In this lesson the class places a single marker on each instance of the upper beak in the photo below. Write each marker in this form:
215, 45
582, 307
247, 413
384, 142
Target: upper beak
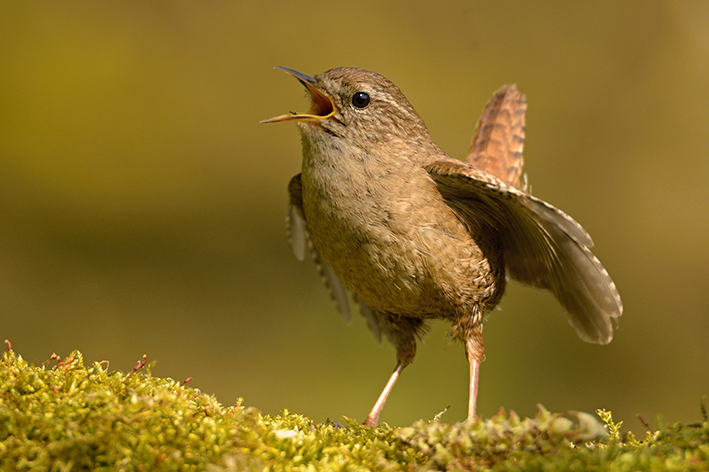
321, 107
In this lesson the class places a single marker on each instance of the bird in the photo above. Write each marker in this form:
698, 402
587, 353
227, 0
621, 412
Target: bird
411, 234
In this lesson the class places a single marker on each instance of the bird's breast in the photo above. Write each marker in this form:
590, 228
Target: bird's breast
391, 238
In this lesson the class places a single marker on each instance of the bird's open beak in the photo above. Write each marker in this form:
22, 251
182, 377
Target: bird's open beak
321, 107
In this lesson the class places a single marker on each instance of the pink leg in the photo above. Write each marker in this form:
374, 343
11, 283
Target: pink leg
373, 417
475, 352
474, 376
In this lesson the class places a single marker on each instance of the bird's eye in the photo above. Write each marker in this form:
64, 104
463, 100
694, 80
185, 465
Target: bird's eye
360, 99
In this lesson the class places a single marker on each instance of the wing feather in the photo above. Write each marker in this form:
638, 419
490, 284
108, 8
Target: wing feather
543, 246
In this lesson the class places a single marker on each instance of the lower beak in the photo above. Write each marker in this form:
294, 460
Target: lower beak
322, 105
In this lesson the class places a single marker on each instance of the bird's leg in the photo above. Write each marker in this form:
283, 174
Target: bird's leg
404, 331
373, 416
475, 352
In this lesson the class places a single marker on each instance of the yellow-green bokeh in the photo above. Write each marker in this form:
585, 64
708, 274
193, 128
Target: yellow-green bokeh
142, 205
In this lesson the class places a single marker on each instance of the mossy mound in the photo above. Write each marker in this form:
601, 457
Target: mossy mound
63, 415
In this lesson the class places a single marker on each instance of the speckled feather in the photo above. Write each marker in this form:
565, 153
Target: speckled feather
532, 231
415, 235
498, 139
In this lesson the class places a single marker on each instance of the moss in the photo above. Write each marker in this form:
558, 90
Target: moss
63, 415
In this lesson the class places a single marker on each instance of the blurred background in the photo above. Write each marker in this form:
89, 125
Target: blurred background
142, 205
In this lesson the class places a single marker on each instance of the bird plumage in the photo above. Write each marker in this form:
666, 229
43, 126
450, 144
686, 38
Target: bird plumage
414, 234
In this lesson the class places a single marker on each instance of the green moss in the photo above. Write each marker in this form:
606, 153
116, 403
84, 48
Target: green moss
69, 416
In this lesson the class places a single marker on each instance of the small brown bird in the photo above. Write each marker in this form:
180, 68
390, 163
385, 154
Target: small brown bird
416, 235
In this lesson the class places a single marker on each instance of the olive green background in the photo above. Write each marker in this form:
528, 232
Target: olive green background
142, 205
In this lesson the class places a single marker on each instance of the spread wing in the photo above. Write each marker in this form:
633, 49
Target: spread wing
300, 241
543, 246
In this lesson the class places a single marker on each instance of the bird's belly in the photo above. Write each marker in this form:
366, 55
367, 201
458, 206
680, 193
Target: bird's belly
411, 259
